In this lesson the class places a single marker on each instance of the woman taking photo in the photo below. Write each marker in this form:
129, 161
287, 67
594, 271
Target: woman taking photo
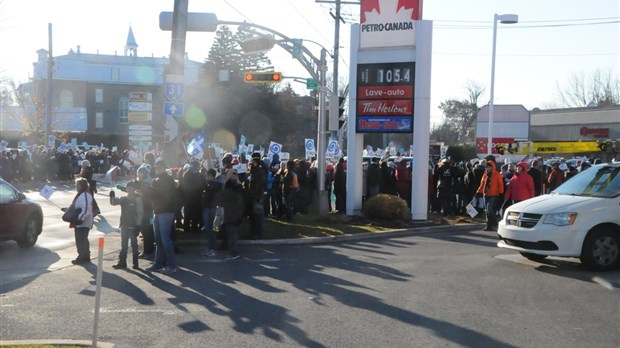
83, 200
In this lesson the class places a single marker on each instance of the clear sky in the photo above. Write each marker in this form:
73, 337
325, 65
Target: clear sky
553, 40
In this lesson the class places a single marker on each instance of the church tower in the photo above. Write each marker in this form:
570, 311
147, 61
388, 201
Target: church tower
131, 47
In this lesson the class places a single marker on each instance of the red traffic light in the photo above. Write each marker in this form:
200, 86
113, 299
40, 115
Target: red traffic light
262, 77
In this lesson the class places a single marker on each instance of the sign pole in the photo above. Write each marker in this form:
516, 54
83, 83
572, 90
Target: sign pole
98, 291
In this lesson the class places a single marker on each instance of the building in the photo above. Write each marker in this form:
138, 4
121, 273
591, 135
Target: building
91, 95
575, 124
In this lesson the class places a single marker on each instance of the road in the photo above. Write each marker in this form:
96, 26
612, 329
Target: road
438, 287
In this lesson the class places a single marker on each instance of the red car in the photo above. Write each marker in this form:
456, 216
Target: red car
21, 219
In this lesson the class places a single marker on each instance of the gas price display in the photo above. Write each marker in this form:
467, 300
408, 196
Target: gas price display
385, 97
386, 73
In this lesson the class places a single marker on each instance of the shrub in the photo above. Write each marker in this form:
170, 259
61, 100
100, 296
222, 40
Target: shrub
386, 207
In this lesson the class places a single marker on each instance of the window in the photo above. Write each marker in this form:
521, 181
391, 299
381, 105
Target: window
123, 108
98, 95
99, 120
66, 98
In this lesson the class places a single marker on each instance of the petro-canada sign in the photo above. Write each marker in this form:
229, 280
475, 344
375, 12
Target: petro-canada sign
388, 23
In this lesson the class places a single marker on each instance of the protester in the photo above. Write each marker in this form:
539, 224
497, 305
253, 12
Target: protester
143, 184
373, 178
556, 176
231, 200
340, 186
165, 200
256, 189
132, 212
492, 188
83, 200
211, 188
520, 186
403, 180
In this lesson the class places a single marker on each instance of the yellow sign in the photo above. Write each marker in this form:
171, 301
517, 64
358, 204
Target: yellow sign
139, 116
548, 147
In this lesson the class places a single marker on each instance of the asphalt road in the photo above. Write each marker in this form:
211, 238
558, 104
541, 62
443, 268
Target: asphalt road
437, 287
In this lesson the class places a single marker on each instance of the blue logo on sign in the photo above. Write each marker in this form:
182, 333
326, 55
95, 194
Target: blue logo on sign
333, 147
174, 91
310, 144
275, 148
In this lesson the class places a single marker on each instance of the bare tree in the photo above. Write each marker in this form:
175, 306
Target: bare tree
459, 116
603, 90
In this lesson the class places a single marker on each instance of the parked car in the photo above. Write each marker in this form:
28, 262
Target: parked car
580, 218
22, 218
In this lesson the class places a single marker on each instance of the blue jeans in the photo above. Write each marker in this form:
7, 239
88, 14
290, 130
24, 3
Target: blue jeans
164, 253
491, 203
128, 234
208, 215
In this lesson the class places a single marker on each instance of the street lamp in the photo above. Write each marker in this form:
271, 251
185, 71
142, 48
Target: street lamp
504, 19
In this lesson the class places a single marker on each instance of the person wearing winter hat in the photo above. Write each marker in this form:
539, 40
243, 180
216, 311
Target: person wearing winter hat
521, 185
556, 177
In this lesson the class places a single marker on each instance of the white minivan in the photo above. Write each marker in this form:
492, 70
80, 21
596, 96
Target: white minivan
580, 218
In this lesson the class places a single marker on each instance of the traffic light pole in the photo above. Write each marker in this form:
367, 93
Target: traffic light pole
321, 134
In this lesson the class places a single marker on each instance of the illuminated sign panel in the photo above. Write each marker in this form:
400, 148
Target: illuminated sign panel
385, 97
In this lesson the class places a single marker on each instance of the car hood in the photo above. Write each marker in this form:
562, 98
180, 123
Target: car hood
554, 203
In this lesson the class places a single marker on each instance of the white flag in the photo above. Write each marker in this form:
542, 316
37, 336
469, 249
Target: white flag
46, 192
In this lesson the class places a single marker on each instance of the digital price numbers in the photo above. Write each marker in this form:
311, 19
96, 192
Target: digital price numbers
386, 74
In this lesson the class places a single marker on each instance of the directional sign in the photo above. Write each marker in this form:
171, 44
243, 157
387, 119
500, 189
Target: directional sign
311, 84
140, 106
173, 109
140, 127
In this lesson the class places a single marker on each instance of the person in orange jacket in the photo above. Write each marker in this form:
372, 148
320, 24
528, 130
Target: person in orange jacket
492, 187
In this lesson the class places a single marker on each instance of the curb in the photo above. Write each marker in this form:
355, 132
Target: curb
59, 342
341, 238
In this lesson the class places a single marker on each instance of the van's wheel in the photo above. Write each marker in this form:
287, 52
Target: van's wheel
601, 249
533, 257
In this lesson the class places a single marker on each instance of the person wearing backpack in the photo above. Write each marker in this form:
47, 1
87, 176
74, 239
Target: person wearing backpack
132, 212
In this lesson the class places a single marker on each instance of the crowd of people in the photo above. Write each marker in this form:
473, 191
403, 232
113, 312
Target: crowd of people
489, 186
160, 199
44, 164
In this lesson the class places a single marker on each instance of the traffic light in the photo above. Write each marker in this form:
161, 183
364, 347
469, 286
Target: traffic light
262, 77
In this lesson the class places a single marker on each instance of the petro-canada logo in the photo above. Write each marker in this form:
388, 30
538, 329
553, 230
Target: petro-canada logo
386, 23
378, 10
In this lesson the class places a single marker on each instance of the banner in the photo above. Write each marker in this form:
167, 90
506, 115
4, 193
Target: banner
195, 146
310, 149
333, 149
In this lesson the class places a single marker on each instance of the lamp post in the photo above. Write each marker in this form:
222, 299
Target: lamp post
504, 19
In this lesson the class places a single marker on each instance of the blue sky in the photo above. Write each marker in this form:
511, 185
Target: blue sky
553, 40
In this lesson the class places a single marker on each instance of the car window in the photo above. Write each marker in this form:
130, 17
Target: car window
7, 194
599, 181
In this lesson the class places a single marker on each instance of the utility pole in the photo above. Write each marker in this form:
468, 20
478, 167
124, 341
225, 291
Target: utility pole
48, 86
176, 66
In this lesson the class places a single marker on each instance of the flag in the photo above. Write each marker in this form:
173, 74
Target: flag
274, 148
46, 192
195, 146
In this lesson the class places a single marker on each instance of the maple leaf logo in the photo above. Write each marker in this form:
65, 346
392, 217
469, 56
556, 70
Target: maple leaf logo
389, 9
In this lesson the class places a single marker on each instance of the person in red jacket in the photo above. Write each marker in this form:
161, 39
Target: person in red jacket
556, 177
521, 185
